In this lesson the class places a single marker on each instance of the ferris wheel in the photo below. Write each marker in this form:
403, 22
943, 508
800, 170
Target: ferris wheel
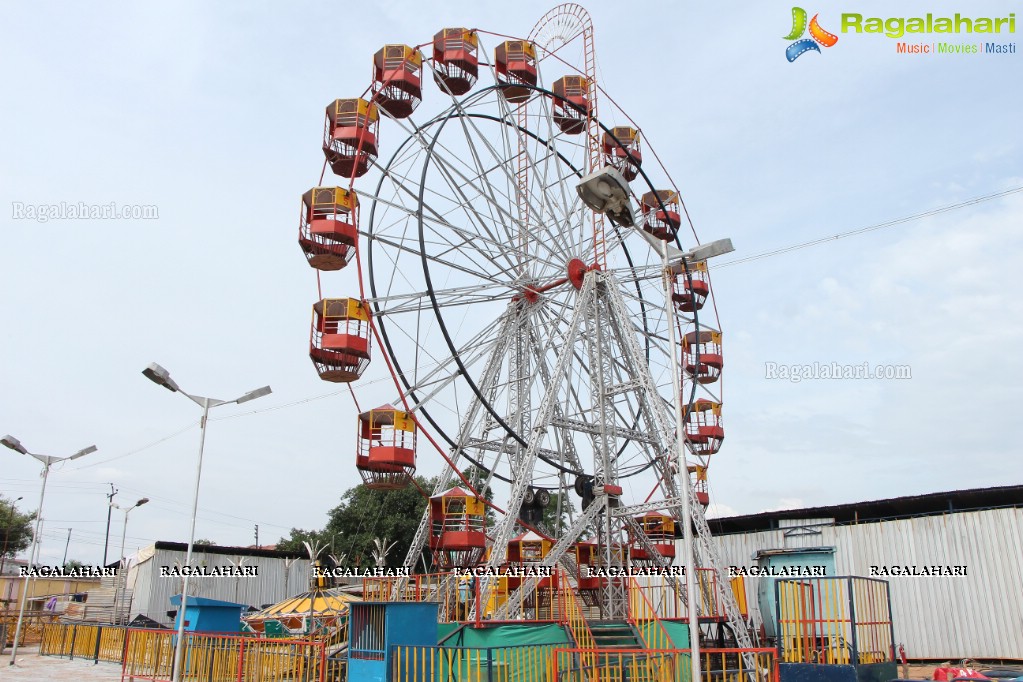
527, 336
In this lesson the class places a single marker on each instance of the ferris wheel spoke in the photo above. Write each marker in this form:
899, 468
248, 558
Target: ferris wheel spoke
454, 292
500, 164
504, 249
442, 369
450, 171
437, 218
446, 299
414, 250
510, 124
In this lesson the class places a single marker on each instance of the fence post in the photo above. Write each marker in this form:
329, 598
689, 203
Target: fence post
124, 643
99, 639
124, 653
854, 652
74, 637
479, 607
891, 618
241, 660
779, 640
490, 664
209, 664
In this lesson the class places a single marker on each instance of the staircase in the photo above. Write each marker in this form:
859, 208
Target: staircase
614, 634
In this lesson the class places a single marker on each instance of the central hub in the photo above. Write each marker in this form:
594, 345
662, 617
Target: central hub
576, 272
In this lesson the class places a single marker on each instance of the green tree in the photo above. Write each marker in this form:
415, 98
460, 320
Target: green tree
73, 564
365, 514
551, 521
296, 541
204, 542
15, 528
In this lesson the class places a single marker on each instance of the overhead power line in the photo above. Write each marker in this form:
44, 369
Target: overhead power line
870, 228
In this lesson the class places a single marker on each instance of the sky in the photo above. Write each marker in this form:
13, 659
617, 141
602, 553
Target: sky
213, 114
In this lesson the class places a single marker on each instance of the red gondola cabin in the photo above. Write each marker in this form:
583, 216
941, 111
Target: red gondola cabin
457, 529
621, 151
455, 60
515, 61
690, 295
571, 107
659, 528
350, 136
328, 228
701, 356
661, 210
397, 79
339, 346
703, 427
386, 457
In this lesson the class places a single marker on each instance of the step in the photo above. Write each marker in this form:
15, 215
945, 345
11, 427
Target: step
614, 634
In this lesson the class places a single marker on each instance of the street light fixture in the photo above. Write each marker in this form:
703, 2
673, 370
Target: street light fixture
160, 376
123, 563
606, 191
48, 461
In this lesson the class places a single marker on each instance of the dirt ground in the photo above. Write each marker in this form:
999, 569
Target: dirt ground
32, 666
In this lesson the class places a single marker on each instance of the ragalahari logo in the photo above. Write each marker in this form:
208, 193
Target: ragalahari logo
818, 36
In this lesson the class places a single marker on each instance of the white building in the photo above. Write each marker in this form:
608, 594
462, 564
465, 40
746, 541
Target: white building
945, 617
271, 576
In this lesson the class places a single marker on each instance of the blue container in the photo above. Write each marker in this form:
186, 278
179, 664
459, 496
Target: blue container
375, 627
209, 615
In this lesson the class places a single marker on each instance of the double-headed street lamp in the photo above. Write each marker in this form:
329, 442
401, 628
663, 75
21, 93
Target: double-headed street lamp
159, 375
606, 191
48, 461
123, 563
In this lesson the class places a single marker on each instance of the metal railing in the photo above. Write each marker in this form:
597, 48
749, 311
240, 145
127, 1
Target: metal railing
666, 665
149, 655
83, 640
843, 620
644, 618
524, 663
31, 626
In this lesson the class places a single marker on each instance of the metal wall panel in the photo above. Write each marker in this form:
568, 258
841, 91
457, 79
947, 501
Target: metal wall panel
273, 582
979, 615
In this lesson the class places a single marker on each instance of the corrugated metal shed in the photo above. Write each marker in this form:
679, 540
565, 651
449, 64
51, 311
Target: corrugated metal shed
979, 615
279, 575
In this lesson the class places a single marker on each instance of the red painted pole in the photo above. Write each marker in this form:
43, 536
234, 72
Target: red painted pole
241, 660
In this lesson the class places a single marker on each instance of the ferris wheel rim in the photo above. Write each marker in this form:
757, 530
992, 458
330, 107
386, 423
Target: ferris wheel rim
439, 122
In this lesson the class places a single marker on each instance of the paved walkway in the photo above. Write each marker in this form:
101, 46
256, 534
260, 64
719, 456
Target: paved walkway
32, 666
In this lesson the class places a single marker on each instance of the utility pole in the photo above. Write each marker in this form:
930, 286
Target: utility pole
66, 544
106, 540
257, 536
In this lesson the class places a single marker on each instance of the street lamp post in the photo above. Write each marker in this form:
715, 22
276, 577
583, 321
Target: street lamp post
160, 376
606, 191
48, 461
122, 564
692, 587
7, 535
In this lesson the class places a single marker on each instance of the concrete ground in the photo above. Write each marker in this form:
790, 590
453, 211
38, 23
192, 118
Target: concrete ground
32, 666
